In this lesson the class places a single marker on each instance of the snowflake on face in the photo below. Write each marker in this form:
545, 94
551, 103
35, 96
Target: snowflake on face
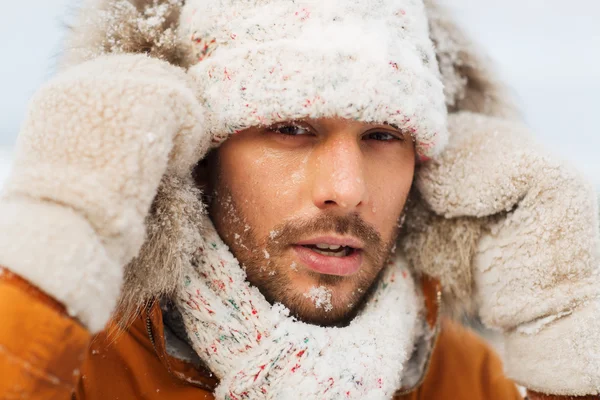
321, 296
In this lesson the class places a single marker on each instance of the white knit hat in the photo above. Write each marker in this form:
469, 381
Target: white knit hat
264, 61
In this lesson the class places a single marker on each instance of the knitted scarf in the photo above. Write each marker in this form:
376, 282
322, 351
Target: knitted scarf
258, 351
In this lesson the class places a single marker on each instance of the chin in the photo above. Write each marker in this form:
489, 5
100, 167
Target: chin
338, 317
312, 297
326, 300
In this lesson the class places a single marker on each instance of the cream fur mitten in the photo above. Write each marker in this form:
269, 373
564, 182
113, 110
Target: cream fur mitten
96, 142
535, 267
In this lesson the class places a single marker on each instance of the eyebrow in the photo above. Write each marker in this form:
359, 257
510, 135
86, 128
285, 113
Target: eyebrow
393, 126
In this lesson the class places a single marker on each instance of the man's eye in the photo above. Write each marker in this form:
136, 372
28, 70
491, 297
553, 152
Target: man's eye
290, 130
382, 136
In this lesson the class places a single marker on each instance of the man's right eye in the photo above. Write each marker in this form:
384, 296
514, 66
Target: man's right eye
290, 129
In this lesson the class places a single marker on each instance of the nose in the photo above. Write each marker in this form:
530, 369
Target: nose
339, 178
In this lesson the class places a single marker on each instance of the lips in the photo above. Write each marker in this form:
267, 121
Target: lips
333, 240
331, 255
331, 250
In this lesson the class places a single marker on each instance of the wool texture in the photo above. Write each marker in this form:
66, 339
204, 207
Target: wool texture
371, 61
259, 352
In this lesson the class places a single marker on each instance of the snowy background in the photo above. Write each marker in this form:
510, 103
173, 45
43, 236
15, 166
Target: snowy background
547, 50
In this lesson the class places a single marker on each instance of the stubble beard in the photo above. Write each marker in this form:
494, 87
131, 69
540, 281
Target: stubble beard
333, 300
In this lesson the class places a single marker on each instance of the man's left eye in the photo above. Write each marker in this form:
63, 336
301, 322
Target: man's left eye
382, 136
290, 129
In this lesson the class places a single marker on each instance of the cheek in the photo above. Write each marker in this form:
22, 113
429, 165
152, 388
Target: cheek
265, 185
388, 191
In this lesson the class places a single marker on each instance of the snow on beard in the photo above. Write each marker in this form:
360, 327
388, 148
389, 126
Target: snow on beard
270, 268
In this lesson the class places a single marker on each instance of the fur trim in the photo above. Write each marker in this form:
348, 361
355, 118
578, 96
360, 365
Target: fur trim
470, 82
443, 248
125, 26
174, 226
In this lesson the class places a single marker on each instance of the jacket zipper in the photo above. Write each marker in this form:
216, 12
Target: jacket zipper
149, 326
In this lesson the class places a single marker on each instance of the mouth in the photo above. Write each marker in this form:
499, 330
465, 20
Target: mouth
331, 255
331, 250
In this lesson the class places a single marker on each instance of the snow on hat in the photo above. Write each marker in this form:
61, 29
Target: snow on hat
264, 61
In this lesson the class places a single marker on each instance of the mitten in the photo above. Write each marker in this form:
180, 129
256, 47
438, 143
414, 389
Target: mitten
96, 142
534, 261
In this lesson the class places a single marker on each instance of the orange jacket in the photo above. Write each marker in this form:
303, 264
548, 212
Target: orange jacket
44, 354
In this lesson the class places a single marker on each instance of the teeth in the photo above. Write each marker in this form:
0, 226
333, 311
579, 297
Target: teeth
341, 253
328, 246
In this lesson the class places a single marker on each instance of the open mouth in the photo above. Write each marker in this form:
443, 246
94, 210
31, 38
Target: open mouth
331, 255
331, 250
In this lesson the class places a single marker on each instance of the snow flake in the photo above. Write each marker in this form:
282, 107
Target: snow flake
321, 296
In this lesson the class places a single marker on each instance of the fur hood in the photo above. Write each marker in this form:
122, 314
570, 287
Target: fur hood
150, 27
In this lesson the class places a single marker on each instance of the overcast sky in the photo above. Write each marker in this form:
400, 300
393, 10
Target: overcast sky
547, 50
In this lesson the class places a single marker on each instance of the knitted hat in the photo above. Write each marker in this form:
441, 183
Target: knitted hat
264, 61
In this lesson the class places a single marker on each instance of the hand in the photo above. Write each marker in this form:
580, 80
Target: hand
515, 237
97, 140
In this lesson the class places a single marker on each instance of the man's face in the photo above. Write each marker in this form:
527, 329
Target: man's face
311, 209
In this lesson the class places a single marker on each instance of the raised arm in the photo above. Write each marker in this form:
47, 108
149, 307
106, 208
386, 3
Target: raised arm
97, 140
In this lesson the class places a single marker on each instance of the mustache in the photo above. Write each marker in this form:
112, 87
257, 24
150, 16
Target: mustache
352, 224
